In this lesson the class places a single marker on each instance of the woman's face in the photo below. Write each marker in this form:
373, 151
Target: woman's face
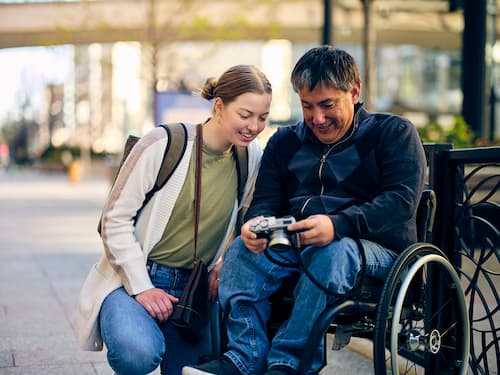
244, 118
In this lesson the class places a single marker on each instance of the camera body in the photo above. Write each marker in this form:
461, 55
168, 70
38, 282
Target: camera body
275, 229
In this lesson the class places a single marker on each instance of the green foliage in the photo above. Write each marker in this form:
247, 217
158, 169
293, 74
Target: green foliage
17, 135
66, 153
58, 154
459, 134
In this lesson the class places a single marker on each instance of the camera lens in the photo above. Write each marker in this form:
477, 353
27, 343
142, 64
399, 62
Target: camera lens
279, 241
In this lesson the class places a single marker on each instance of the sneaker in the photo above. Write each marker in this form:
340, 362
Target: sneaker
280, 370
221, 366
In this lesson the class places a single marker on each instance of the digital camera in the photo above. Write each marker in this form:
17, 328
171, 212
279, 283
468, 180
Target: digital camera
280, 239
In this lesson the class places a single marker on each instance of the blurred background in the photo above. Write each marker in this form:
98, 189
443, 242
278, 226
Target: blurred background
76, 77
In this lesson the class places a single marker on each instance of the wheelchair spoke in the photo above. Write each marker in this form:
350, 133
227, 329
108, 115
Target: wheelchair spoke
445, 332
422, 320
410, 369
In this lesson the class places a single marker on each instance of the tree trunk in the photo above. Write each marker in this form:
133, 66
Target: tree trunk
370, 89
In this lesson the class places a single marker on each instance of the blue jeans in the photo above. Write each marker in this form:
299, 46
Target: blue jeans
136, 342
247, 280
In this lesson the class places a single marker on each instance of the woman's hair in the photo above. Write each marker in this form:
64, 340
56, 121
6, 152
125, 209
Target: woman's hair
327, 66
235, 81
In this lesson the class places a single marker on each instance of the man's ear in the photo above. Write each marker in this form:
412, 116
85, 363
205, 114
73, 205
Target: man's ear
356, 92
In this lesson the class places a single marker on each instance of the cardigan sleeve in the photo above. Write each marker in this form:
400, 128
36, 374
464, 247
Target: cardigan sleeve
136, 177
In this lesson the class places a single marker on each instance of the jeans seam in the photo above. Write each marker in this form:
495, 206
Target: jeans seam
234, 358
283, 363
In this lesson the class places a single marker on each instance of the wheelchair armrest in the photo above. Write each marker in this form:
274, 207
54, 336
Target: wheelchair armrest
425, 215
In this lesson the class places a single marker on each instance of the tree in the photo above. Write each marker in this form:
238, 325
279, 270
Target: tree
369, 37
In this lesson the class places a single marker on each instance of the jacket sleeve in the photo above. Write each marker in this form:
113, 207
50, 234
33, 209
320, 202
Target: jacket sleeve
402, 169
268, 198
135, 178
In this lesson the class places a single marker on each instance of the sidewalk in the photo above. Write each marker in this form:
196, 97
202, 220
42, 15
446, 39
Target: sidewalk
48, 241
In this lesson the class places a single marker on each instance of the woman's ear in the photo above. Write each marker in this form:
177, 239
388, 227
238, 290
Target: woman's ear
218, 106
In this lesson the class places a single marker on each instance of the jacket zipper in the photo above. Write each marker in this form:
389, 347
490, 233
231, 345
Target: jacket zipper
322, 161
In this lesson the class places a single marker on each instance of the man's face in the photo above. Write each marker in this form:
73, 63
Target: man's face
328, 112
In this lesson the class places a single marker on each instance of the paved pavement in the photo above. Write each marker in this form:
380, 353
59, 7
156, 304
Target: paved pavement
48, 241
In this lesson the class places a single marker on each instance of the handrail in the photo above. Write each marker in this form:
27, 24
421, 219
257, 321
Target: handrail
467, 229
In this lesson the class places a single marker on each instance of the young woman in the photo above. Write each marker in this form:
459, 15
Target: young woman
131, 292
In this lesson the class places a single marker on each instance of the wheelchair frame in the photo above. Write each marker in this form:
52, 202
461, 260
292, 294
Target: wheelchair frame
417, 319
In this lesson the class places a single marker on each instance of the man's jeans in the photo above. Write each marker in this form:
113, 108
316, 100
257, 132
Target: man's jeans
247, 280
136, 342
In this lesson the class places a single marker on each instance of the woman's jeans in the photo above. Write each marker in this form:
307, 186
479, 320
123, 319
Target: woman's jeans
136, 342
247, 280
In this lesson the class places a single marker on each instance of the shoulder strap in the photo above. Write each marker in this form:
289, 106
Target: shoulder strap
174, 150
197, 188
176, 145
177, 141
241, 156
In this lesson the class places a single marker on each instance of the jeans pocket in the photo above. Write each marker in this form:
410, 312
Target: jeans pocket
171, 280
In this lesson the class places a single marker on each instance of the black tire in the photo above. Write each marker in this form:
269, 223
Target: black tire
422, 325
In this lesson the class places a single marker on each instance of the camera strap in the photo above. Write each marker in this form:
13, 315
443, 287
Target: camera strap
359, 279
273, 258
283, 263
273, 254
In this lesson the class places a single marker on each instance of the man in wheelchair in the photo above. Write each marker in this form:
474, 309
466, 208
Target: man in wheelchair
343, 187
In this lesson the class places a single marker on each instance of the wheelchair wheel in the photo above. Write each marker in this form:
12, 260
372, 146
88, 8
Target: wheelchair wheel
422, 326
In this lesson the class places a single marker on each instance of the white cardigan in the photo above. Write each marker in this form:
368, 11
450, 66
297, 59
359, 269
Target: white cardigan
126, 247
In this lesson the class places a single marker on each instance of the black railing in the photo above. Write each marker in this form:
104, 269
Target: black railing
467, 229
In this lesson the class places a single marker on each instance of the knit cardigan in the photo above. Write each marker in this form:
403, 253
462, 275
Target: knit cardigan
127, 245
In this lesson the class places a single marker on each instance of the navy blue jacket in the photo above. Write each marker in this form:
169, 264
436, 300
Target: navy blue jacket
369, 182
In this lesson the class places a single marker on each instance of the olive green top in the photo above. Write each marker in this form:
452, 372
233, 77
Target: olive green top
218, 193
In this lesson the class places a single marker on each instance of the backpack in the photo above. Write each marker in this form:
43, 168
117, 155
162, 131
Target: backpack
176, 146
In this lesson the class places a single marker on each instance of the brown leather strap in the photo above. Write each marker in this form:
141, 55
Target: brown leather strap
197, 187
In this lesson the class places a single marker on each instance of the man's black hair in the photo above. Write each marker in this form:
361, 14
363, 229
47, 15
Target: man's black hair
325, 65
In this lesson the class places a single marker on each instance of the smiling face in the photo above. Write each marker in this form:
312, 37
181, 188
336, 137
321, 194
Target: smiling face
242, 119
328, 112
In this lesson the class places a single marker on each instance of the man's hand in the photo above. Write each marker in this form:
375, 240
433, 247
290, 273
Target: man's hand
249, 238
157, 303
315, 230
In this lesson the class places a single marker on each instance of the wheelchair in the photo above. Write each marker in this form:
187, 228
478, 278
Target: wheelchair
417, 319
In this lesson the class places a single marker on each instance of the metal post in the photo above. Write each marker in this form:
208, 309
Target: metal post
327, 22
474, 66
492, 67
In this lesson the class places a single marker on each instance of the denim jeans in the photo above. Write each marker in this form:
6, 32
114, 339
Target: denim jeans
247, 280
136, 342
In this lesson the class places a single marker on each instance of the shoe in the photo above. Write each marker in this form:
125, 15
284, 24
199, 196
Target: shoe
221, 366
280, 370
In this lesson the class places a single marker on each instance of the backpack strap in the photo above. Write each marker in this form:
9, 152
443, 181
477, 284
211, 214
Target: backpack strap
174, 150
241, 156
176, 146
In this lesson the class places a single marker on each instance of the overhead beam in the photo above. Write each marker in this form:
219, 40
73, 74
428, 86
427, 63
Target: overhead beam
396, 22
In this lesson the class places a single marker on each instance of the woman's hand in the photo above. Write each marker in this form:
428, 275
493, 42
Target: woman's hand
249, 238
213, 281
157, 303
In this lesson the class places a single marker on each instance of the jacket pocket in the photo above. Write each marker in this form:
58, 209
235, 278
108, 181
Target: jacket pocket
90, 291
93, 289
